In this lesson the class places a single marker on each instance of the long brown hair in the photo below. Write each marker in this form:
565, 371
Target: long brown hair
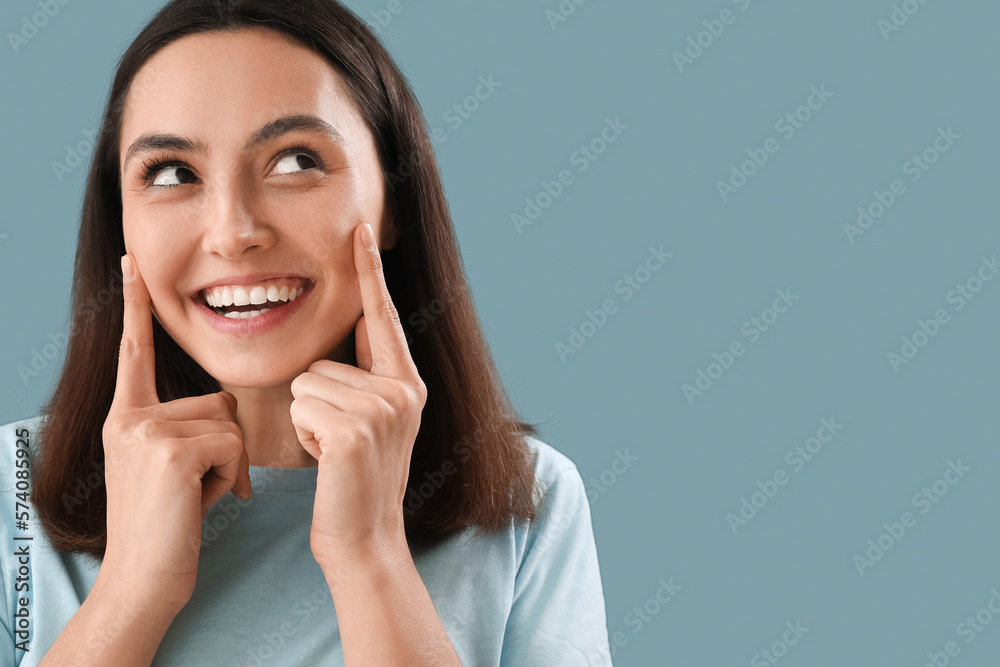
471, 465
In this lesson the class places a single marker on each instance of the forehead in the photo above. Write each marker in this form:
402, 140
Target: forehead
220, 87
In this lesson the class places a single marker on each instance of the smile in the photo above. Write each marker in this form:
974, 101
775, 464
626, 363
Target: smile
242, 301
251, 309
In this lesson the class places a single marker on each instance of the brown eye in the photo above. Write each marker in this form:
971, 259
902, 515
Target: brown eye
291, 163
173, 175
154, 169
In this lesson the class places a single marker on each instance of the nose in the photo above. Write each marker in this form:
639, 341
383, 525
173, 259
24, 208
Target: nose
231, 221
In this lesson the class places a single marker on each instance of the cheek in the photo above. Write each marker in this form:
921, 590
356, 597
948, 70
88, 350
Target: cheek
318, 239
161, 282
159, 260
151, 232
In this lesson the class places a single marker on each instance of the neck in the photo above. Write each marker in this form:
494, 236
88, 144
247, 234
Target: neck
264, 415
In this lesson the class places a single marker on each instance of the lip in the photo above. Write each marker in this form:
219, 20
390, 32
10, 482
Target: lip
270, 320
250, 279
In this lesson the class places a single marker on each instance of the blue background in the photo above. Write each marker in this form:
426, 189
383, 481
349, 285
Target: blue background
665, 516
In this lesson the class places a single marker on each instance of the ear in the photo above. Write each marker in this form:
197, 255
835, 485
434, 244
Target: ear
389, 229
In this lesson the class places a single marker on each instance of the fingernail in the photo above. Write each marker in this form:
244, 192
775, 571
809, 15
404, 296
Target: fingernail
127, 272
368, 237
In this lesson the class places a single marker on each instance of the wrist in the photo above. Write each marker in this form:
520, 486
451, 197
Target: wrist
121, 614
141, 596
376, 547
370, 562
114, 625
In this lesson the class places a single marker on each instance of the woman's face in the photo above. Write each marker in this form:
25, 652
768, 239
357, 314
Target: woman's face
255, 193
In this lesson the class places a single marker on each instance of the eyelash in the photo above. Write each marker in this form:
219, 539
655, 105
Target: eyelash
151, 168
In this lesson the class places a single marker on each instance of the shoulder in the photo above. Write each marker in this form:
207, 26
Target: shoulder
562, 532
27, 422
563, 501
549, 463
18, 453
14, 436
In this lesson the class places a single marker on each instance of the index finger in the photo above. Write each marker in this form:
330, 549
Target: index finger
136, 383
384, 330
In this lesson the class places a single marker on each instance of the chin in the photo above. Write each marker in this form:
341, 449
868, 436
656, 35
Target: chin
253, 378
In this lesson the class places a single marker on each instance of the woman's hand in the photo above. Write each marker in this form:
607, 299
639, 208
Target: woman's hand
165, 464
360, 423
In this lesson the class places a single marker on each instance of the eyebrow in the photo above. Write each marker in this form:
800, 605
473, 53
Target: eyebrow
148, 143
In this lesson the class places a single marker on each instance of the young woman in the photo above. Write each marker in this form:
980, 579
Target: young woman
278, 436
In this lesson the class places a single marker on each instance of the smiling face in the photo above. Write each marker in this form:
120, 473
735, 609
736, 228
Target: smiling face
255, 194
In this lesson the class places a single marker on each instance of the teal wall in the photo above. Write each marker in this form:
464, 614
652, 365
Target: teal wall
825, 107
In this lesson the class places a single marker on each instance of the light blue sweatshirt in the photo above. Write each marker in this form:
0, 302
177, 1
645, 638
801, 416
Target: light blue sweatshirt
519, 598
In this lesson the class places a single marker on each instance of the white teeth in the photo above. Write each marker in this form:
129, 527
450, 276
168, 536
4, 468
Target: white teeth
246, 315
240, 297
237, 295
258, 295
221, 299
251, 295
